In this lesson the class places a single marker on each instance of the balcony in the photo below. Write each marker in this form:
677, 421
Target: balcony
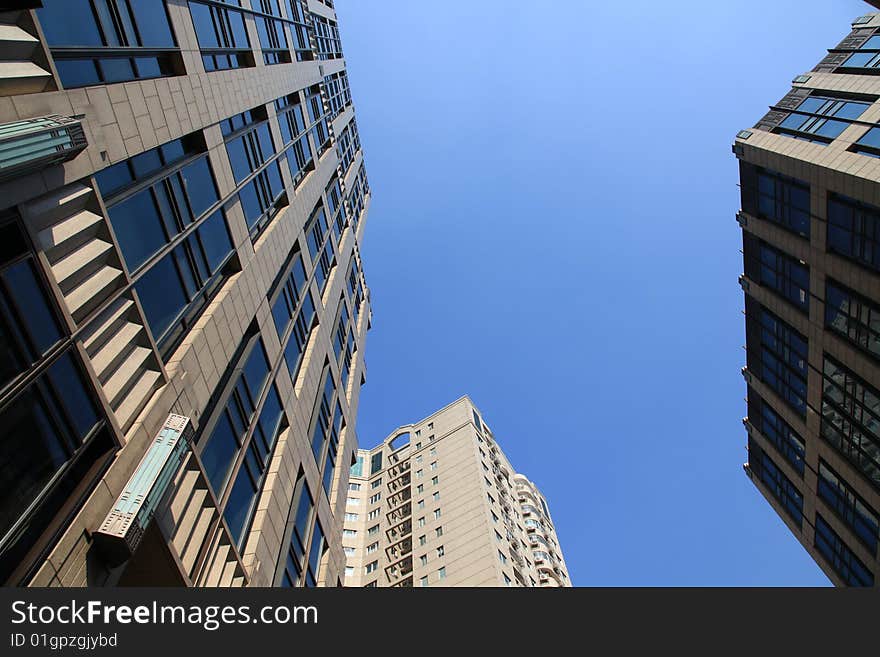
400, 482
400, 530
400, 549
400, 513
400, 569
399, 498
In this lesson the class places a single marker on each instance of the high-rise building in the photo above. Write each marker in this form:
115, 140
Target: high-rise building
810, 217
182, 305
438, 504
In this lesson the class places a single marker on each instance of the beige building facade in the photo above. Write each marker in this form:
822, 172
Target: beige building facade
810, 218
439, 504
183, 302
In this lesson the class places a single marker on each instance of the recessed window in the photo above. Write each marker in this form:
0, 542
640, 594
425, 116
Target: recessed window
821, 118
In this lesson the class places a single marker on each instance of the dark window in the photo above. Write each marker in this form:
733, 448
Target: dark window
316, 551
300, 29
783, 200
348, 144
821, 118
147, 220
854, 230
846, 564
250, 147
273, 41
851, 418
786, 276
853, 316
327, 42
293, 321
222, 36
780, 486
294, 132
355, 287
326, 426
240, 506
106, 41
175, 290
777, 354
302, 525
375, 463
317, 119
29, 326
848, 506
338, 93
340, 329
232, 423
357, 196
320, 247
336, 208
53, 431
785, 439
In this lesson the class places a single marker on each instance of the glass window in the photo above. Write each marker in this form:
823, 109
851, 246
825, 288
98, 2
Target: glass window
785, 439
851, 418
326, 427
783, 200
777, 354
338, 92
848, 506
82, 32
854, 230
853, 317
839, 556
811, 120
780, 486
328, 44
174, 290
777, 271
222, 36
301, 520
233, 423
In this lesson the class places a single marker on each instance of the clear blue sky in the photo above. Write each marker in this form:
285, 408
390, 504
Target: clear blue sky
553, 233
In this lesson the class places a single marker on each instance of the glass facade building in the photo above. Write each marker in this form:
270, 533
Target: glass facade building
810, 219
198, 257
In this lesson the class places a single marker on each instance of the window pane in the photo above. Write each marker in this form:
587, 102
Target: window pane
77, 72
138, 228
161, 295
219, 453
79, 407
215, 240
39, 321
152, 23
238, 506
204, 24
117, 69
69, 23
199, 184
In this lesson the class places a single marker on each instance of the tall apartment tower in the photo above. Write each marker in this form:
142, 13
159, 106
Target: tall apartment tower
182, 305
810, 180
438, 504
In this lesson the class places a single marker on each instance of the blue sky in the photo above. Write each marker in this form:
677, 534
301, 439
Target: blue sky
553, 233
